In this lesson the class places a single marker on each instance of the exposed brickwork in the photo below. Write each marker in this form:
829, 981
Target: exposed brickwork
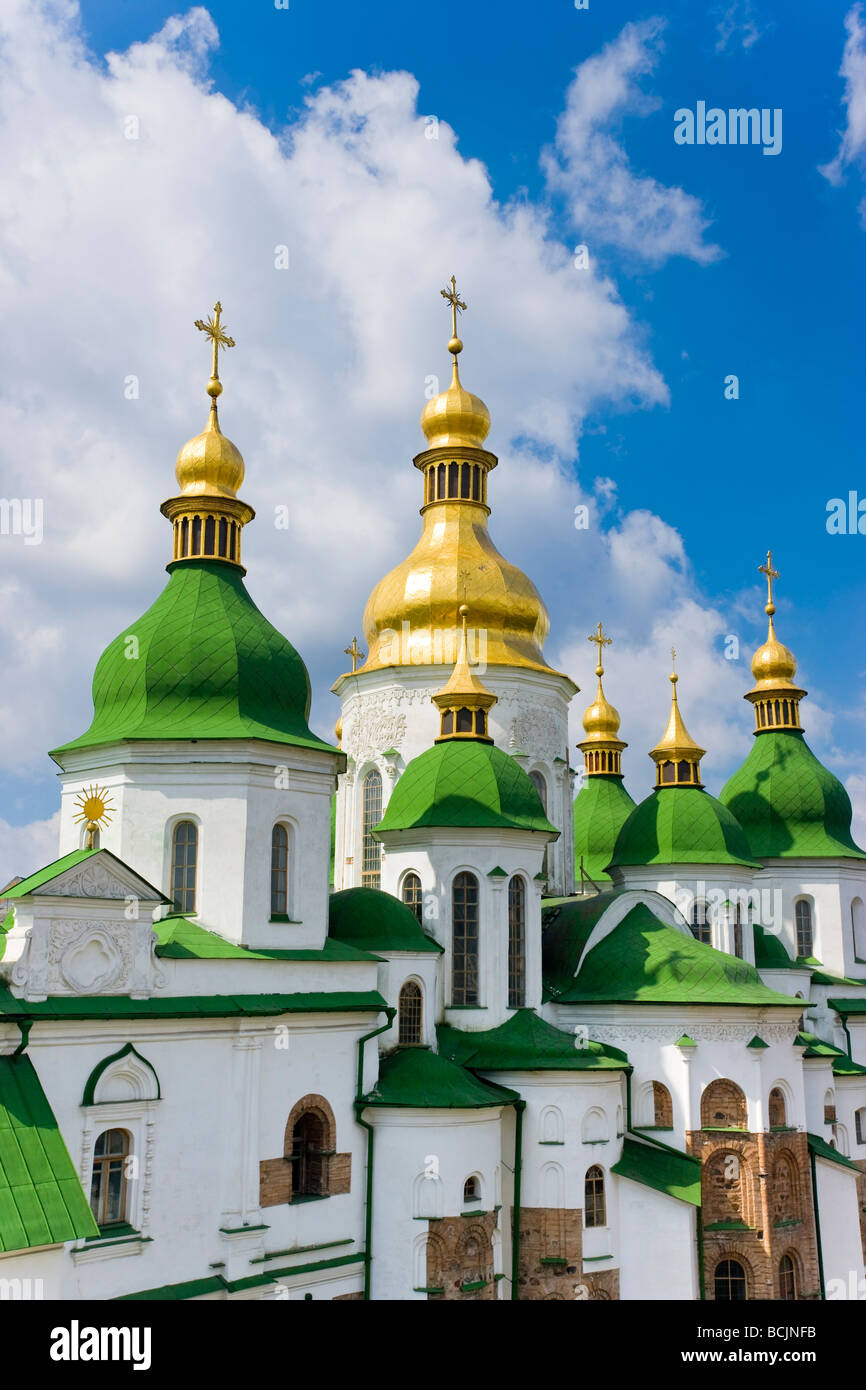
778, 1113
340, 1174
663, 1109
602, 1286
723, 1106
460, 1251
776, 1209
276, 1174
345, 1297
861, 1198
550, 1233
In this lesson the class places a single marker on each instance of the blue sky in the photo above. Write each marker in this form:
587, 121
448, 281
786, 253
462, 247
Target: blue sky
780, 305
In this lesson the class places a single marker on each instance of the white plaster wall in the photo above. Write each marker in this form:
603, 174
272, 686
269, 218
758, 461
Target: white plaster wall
839, 1217
713, 884
234, 791
658, 1258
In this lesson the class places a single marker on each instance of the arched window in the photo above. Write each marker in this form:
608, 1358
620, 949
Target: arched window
787, 1279
593, 1197
803, 918
516, 943
723, 1106
700, 922
860, 1124
829, 1107
108, 1181
411, 893
858, 928
279, 871
663, 1110
464, 953
778, 1114
738, 931
540, 786
725, 1187
184, 856
409, 1013
371, 859
472, 1190
730, 1281
309, 1160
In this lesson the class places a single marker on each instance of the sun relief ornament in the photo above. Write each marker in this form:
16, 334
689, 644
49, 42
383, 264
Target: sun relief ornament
93, 808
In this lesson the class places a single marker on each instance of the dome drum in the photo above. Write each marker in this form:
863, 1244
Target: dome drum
207, 528
450, 479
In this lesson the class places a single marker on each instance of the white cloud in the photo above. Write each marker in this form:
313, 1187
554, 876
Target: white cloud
852, 146
26, 848
739, 25
590, 168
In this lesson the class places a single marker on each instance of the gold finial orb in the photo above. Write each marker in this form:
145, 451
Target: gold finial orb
773, 664
210, 464
455, 417
601, 720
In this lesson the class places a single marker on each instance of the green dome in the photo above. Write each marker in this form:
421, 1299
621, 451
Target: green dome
201, 663
789, 804
468, 784
601, 808
681, 825
376, 921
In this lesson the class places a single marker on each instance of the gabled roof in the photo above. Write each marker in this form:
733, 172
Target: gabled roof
645, 961
526, 1042
677, 1175
416, 1078
33, 882
41, 1198
821, 1149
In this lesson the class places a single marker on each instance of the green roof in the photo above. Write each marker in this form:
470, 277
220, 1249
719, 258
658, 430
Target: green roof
526, 1042
465, 784
645, 961
416, 1078
191, 1006
821, 1149
681, 825
770, 954
53, 870
789, 804
180, 938
848, 1006
814, 1046
376, 921
675, 1174
566, 925
601, 808
41, 1198
208, 665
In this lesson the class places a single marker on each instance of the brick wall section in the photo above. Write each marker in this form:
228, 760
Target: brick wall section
663, 1109
345, 1297
861, 1198
550, 1233
723, 1104
778, 1209
460, 1251
275, 1174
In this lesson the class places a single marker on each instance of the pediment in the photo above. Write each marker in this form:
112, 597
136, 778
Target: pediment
102, 876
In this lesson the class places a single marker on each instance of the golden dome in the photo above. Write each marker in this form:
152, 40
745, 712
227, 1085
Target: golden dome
455, 416
775, 697
676, 741
410, 618
773, 664
601, 720
210, 463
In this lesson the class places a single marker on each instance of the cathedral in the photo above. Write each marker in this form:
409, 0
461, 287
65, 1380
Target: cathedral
529, 1036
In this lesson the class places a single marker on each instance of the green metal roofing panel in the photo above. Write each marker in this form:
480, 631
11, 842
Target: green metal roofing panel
770, 954
191, 1288
50, 871
465, 784
526, 1042
677, 1175
376, 921
821, 1149
208, 664
417, 1079
191, 1006
601, 808
789, 804
848, 1006
180, 938
41, 1198
566, 926
681, 825
645, 961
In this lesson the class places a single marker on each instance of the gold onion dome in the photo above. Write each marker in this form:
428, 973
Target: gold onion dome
210, 463
676, 755
464, 700
774, 695
410, 615
602, 747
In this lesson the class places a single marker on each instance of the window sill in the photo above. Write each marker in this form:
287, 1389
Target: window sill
308, 1197
282, 917
110, 1248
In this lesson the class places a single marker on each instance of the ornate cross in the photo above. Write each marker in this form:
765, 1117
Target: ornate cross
600, 641
771, 574
213, 330
456, 303
355, 653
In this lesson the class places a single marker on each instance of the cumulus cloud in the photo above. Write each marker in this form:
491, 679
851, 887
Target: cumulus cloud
852, 144
136, 194
590, 169
739, 26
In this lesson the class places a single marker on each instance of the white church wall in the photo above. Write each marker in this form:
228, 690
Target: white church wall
839, 1218
658, 1245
